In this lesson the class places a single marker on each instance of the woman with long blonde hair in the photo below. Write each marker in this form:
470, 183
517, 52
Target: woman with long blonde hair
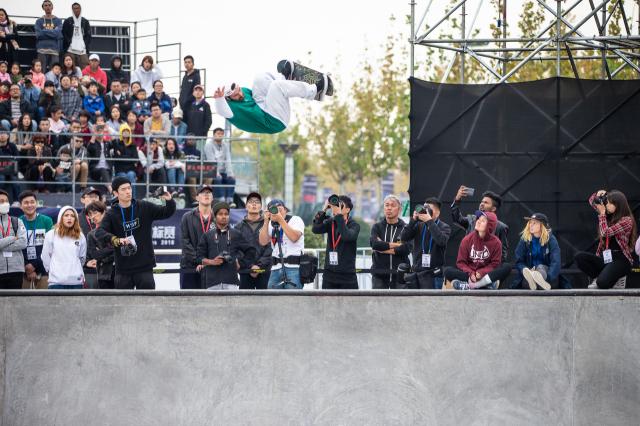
64, 251
537, 255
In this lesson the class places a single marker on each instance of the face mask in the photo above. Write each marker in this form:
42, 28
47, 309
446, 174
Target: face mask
4, 208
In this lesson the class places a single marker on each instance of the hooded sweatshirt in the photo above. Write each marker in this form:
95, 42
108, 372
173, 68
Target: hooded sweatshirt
481, 255
63, 257
146, 78
117, 73
125, 148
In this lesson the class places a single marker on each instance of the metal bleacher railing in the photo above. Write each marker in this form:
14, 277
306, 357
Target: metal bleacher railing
245, 158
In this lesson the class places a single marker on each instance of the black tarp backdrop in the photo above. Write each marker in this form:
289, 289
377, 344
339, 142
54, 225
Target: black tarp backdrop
545, 146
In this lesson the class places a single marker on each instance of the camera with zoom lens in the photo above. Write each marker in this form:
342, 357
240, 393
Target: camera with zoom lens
601, 199
128, 250
406, 276
334, 200
226, 256
422, 209
274, 210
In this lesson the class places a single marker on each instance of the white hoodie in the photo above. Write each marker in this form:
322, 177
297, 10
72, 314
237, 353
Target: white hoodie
63, 257
146, 78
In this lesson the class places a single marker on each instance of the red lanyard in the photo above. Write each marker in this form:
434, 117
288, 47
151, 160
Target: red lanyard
88, 222
607, 243
204, 230
333, 234
5, 234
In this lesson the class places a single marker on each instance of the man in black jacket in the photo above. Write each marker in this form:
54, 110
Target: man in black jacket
99, 151
250, 228
388, 251
430, 236
198, 113
76, 34
342, 244
194, 225
89, 195
117, 97
222, 251
190, 80
128, 225
8, 109
490, 202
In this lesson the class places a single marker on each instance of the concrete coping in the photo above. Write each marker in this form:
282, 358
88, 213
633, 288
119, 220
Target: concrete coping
325, 293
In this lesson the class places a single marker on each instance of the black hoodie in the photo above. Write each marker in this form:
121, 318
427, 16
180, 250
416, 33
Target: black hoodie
116, 73
383, 233
214, 243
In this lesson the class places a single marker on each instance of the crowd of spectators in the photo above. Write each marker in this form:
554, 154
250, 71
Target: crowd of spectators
66, 119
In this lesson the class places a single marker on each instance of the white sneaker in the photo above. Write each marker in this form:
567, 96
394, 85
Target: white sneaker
528, 275
537, 277
593, 286
621, 284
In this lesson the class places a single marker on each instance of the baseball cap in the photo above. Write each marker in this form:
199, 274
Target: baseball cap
91, 190
540, 217
254, 195
94, 56
277, 202
205, 188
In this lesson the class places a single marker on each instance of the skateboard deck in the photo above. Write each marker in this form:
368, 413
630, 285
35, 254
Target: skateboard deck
311, 76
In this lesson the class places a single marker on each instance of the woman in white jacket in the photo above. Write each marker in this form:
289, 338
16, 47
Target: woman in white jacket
146, 74
64, 251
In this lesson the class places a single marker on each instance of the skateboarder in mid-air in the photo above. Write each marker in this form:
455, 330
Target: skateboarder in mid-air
265, 107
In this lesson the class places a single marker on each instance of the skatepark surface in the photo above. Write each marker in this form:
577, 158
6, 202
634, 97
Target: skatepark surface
330, 358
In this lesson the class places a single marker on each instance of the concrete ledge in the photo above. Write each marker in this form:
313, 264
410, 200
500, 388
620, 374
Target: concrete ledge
334, 358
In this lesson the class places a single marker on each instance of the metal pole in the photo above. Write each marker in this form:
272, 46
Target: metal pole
412, 38
504, 37
157, 42
72, 145
558, 29
288, 149
135, 46
258, 166
463, 22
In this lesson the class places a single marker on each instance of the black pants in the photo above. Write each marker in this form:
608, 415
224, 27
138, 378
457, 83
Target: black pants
337, 281
606, 275
382, 282
105, 284
11, 281
190, 281
100, 175
500, 273
138, 280
247, 282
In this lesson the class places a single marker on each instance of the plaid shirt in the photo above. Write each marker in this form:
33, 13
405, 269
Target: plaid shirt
71, 103
621, 230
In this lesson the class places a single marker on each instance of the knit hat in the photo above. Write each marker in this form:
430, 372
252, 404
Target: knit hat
219, 206
118, 181
64, 209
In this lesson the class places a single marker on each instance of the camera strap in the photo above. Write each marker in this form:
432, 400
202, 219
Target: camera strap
424, 236
334, 241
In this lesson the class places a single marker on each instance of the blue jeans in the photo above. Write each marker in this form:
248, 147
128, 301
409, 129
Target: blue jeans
131, 175
175, 176
63, 179
227, 192
293, 275
65, 287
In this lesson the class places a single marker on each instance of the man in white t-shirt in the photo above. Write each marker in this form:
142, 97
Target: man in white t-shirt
285, 233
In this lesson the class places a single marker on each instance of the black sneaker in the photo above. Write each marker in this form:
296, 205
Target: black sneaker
285, 68
321, 86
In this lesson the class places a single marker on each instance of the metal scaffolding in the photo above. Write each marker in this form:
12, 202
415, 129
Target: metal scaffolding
563, 37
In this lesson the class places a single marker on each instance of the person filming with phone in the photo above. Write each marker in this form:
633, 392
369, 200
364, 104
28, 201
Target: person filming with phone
128, 227
490, 202
342, 243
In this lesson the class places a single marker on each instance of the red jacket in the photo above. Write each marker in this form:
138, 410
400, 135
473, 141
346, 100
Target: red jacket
100, 76
481, 255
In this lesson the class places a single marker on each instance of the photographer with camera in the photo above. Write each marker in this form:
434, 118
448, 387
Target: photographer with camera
617, 232
342, 243
250, 227
222, 251
285, 233
490, 202
388, 251
128, 226
430, 236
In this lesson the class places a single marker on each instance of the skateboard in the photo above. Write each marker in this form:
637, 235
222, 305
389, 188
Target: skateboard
311, 76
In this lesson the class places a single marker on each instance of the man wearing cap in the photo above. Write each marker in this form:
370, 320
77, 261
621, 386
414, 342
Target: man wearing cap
193, 226
94, 71
37, 225
250, 227
76, 33
538, 258
128, 226
178, 128
285, 234
430, 236
342, 244
222, 251
198, 113
388, 250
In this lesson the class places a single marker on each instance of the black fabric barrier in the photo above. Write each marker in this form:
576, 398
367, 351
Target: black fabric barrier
544, 145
